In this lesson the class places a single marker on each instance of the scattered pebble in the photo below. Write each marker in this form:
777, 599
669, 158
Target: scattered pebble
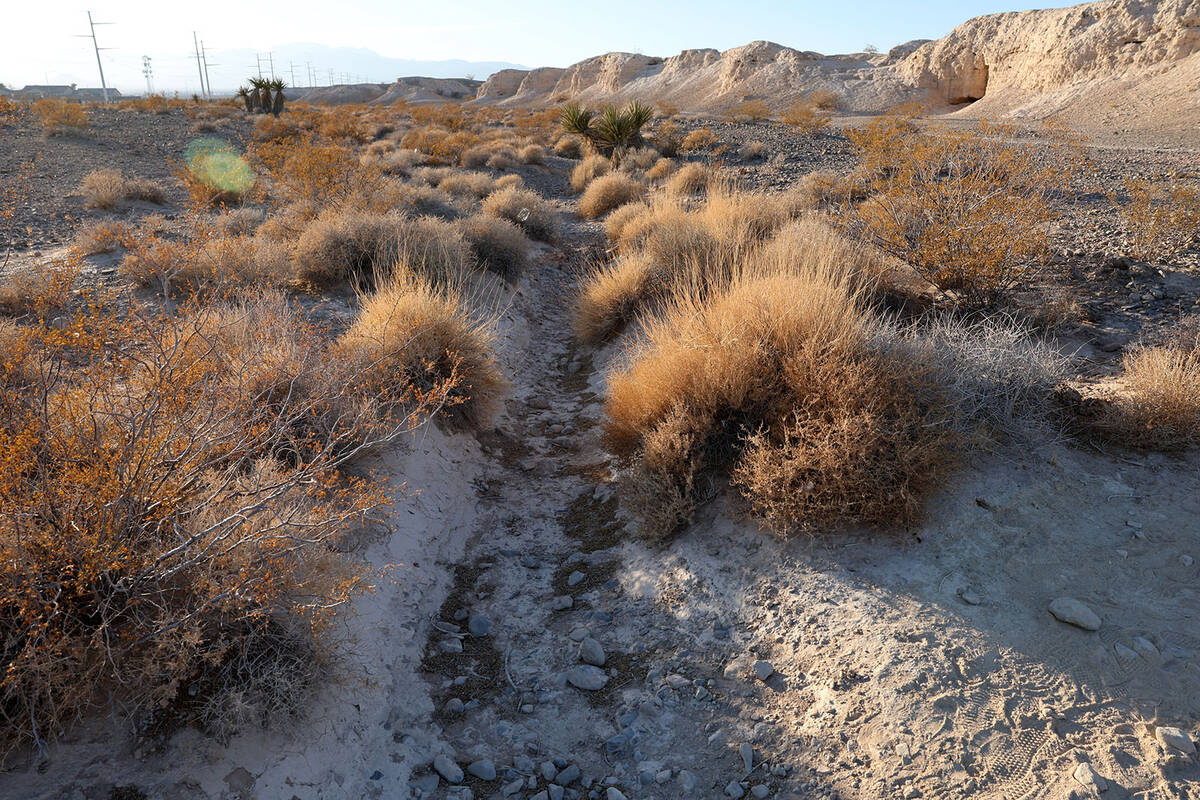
479, 625
484, 769
614, 793
1073, 612
760, 791
590, 652
444, 765
1176, 738
763, 670
747, 754
734, 790
587, 677
575, 578
1087, 775
562, 602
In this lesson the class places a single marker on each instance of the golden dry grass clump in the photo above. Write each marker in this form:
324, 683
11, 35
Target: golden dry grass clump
410, 332
661, 241
609, 192
587, 171
525, 208
498, 245
178, 478
771, 380
1158, 406
353, 245
568, 147
689, 179
108, 188
698, 139
661, 169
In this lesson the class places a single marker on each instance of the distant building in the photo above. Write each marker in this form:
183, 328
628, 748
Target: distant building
72, 92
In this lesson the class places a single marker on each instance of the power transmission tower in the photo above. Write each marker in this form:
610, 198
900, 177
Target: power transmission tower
331, 77
258, 64
98, 48
271, 62
199, 65
204, 58
149, 74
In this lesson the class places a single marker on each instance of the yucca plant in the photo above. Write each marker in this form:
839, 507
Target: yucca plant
613, 131
244, 94
256, 85
278, 86
265, 90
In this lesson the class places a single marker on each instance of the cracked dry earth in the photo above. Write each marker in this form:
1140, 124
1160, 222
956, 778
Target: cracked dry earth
729, 662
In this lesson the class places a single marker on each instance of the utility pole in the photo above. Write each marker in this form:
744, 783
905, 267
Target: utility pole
258, 64
199, 66
271, 61
292, 69
312, 81
149, 74
97, 48
204, 58
331, 77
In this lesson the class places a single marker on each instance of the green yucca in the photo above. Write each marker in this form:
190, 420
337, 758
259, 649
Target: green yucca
278, 86
611, 132
243, 93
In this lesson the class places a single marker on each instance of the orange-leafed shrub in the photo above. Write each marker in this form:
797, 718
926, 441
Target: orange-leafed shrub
171, 503
1163, 219
806, 117
61, 117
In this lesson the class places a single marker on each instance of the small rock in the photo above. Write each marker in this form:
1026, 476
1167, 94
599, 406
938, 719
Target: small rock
1086, 774
1177, 738
548, 770
970, 598
452, 646
541, 796
454, 706
425, 785
484, 769
575, 578
590, 652
763, 670
614, 793
587, 677
662, 776
479, 625
568, 775
562, 602
580, 633
513, 787
444, 765
747, 754
1073, 612
555, 791
1186, 560
1145, 647
734, 790
687, 781
760, 791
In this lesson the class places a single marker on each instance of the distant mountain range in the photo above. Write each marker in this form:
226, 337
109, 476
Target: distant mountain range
296, 62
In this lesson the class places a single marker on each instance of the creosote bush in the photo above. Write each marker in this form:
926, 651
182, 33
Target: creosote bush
171, 509
967, 210
609, 192
61, 117
698, 139
807, 117
1163, 219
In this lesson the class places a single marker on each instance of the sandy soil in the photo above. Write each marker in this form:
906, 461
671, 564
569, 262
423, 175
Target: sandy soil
919, 664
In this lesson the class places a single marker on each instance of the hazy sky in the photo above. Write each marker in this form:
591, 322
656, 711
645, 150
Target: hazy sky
37, 44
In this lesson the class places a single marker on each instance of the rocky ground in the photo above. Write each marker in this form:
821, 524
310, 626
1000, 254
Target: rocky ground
1037, 637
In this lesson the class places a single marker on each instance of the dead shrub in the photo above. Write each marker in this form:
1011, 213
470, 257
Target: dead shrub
825, 189
1163, 220
698, 139
688, 180
640, 158
108, 188
240, 221
824, 99
749, 111
532, 154
806, 117
273, 129
498, 245
357, 246
411, 333
751, 151
661, 169
568, 147
609, 192
502, 160
41, 292
614, 224
508, 182
771, 382
94, 238
587, 171
472, 184
525, 208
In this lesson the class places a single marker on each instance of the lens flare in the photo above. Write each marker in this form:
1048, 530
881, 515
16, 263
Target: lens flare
216, 163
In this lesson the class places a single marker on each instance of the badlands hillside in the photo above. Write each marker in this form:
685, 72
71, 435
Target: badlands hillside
1143, 57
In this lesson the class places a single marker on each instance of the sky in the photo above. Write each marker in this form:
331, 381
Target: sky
38, 43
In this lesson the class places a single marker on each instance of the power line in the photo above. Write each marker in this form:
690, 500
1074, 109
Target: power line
98, 48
